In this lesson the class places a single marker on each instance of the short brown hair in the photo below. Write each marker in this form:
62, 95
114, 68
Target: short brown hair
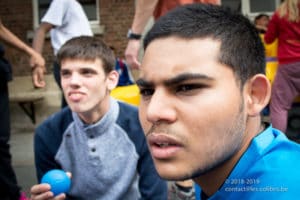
87, 48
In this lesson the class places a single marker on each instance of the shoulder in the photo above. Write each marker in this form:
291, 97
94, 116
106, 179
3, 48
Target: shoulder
128, 120
56, 124
278, 166
60, 5
128, 117
125, 107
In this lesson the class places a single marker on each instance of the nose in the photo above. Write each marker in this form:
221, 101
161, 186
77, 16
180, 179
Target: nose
161, 108
75, 79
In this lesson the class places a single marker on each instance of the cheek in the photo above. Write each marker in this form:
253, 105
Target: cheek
143, 119
63, 83
205, 122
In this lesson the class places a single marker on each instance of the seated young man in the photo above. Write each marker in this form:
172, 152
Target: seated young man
97, 139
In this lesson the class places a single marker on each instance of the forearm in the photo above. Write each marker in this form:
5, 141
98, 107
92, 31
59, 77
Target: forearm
143, 12
38, 40
12, 40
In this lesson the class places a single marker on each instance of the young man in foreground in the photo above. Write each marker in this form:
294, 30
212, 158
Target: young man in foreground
97, 139
203, 88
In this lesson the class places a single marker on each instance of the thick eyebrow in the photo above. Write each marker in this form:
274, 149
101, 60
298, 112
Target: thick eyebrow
176, 80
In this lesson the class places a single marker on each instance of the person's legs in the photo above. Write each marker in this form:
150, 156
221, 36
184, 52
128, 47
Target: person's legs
56, 73
9, 188
284, 91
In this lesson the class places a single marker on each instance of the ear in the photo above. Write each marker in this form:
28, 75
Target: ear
112, 79
258, 94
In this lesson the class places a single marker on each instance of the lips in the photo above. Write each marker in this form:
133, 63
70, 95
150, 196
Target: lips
163, 146
75, 96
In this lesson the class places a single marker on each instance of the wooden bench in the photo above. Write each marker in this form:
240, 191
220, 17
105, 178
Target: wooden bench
21, 91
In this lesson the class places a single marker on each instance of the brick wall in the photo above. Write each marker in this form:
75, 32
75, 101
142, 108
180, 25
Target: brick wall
115, 15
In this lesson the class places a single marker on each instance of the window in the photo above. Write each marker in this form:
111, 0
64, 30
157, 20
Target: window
251, 8
91, 8
232, 4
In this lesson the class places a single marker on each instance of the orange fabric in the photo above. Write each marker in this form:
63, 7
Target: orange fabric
164, 6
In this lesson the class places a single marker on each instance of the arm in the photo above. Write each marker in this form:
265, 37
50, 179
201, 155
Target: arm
36, 59
45, 147
143, 12
216, 2
40, 35
38, 44
46, 144
272, 30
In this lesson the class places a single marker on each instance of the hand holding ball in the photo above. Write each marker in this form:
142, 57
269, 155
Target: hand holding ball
59, 181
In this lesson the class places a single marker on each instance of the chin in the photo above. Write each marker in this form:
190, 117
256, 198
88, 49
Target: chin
77, 109
173, 173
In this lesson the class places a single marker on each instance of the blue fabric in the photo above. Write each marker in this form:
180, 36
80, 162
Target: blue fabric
269, 169
125, 77
57, 133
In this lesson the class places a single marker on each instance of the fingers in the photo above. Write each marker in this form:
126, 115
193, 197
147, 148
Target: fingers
69, 174
133, 62
60, 197
38, 77
131, 54
36, 59
42, 192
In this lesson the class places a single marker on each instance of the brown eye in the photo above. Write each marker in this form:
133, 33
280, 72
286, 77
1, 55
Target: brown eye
65, 73
189, 87
87, 72
146, 92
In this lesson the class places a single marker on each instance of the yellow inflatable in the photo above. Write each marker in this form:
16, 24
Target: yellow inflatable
129, 94
271, 58
271, 68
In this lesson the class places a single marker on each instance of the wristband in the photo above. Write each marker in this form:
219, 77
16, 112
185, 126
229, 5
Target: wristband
133, 36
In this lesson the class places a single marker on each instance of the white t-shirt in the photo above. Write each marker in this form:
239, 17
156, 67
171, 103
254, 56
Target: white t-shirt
69, 20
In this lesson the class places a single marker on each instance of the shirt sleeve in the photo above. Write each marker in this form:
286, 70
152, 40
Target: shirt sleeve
272, 30
56, 12
44, 151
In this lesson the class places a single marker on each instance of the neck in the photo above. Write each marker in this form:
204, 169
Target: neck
96, 114
211, 181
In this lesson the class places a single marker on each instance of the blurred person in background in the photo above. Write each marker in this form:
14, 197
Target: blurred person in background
9, 189
285, 26
144, 10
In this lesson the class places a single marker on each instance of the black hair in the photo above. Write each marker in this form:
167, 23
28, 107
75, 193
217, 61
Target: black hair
259, 16
241, 47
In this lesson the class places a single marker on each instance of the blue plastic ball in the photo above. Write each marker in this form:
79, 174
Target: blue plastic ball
59, 181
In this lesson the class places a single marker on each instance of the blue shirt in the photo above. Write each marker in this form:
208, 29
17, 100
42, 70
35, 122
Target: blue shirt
269, 169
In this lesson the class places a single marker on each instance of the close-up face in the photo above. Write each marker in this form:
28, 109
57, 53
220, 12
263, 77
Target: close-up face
85, 85
191, 109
